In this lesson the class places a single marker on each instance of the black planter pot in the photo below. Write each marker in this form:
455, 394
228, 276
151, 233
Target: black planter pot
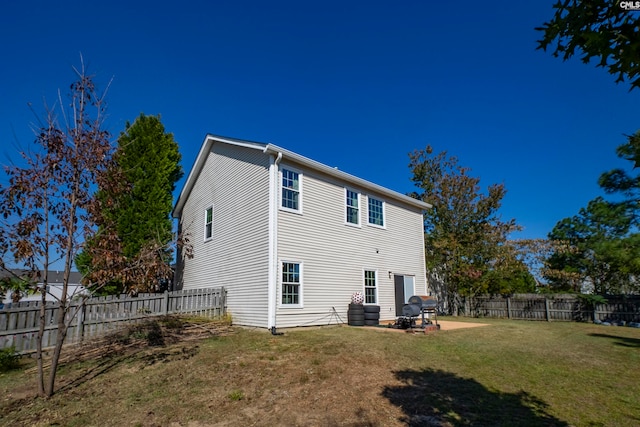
355, 315
371, 315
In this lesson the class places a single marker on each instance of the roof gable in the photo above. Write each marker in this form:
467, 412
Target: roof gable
286, 155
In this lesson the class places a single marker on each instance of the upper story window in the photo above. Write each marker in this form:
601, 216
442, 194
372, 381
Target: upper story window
291, 190
352, 207
376, 212
208, 223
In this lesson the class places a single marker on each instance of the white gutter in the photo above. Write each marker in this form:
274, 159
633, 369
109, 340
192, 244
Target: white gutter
291, 156
272, 286
343, 176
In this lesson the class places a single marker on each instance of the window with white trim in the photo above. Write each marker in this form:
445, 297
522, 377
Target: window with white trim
291, 190
370, 288
376, 211
208, 223
291, 284
352, 207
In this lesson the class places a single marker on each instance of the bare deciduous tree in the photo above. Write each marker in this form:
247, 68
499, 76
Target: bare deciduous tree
51, 210
46, 205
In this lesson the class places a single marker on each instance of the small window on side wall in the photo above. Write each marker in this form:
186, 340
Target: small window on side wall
208, 223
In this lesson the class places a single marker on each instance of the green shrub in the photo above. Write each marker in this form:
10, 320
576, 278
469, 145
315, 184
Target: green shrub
9, 359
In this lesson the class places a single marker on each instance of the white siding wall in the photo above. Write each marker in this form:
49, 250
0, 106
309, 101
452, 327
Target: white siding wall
235, 181
334, 255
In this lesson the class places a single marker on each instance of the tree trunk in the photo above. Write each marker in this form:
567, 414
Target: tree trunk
61, 334
64, 303
454, 303
41, 328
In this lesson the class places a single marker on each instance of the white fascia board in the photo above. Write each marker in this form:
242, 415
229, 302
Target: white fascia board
274, 149
343, 176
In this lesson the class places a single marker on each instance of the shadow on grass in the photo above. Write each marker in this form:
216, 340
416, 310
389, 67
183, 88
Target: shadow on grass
107, 363
438, 398
623, 341
142, 357
121, 348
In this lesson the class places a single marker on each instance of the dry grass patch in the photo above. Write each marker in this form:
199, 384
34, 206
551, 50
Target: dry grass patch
508, 373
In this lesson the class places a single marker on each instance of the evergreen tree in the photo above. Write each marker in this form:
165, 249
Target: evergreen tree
150, 161
148, 166
601, 246
597, 250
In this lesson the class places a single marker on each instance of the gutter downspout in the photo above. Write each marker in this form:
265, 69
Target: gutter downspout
272, 288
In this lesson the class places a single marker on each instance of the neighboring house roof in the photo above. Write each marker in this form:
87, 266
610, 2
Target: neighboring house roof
286, 155
54, 285
53, 276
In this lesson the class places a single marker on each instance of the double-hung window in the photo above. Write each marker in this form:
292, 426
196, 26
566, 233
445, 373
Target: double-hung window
370, 288
352, 207
291, 190
291, 284
376, 211
208, 223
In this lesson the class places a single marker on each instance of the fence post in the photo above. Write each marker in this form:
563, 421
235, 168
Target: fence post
509, 307
546, 309
81, 320
165, 303
223, 291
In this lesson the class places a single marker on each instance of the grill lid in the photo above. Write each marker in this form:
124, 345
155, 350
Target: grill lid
424, 301
411, 310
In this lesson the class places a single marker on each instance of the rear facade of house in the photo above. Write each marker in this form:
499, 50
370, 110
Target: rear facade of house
292, 239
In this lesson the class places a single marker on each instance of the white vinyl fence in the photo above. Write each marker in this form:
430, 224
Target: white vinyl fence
97, 316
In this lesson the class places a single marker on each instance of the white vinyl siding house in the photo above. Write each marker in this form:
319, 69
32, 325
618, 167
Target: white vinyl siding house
335, 254
235, 180
285, 243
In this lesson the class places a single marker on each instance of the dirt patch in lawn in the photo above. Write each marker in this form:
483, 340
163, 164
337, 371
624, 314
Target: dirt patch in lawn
448, 325
445, 325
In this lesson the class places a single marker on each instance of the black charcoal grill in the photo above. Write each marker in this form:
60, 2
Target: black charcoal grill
418, 305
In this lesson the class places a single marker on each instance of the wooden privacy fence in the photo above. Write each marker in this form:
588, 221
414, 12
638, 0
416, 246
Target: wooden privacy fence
97, 316
563, 307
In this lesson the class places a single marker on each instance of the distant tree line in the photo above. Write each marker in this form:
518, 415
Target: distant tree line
467, 246
600, 246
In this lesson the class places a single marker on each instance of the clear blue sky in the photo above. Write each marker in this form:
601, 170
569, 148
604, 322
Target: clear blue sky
352, 84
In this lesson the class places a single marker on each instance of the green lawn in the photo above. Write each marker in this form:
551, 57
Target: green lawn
509, 373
